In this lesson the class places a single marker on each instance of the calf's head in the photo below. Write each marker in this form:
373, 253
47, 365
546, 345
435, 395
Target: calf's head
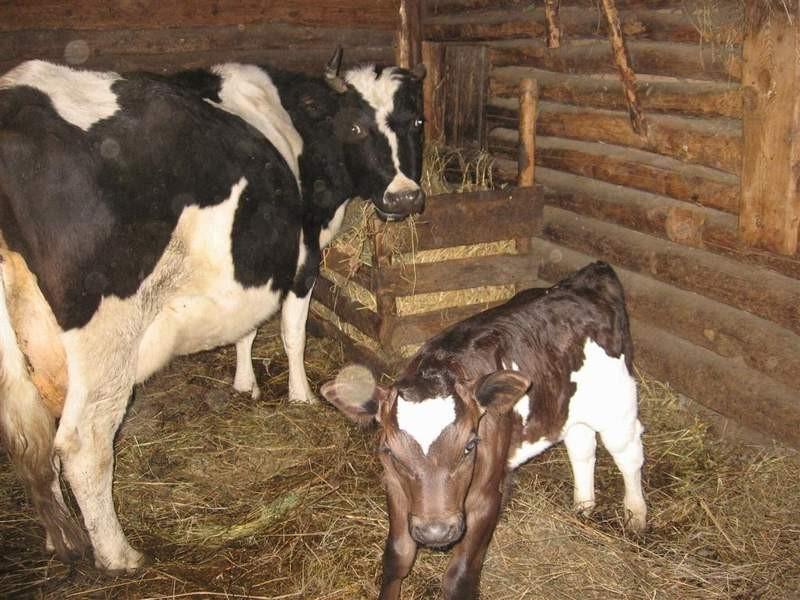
379, 123
431, 440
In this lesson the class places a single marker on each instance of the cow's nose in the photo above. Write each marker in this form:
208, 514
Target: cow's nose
437, 532
398, 205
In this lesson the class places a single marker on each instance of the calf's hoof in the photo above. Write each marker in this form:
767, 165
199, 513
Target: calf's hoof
129, 563
584, 509
636, 522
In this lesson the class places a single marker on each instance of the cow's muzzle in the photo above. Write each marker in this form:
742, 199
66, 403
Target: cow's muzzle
437, 532
395, 206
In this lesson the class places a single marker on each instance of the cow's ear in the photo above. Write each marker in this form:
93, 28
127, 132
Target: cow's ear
498, 392
359, 399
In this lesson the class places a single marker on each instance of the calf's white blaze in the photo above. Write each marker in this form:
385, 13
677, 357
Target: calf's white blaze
79, 97
424, 421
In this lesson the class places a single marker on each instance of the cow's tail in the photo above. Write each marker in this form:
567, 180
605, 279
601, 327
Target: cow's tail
27, 429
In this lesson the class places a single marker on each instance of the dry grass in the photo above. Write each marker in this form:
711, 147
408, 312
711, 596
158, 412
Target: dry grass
242, 499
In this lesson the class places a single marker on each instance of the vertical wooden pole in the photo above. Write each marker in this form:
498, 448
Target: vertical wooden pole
769, 215
626, 73
433, 89
553, 28
526, 157
409, 45
386, 304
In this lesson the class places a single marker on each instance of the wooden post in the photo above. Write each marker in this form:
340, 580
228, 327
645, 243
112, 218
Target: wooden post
769, 214
553, 28
386, 304
409, 45
433, 91
621, 57
526, 157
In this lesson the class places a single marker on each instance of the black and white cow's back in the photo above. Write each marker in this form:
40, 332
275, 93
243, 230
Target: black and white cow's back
148, 216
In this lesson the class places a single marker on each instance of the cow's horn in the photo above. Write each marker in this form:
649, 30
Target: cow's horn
332, 72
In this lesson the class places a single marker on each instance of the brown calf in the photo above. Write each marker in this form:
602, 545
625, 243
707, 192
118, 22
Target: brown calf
488, 394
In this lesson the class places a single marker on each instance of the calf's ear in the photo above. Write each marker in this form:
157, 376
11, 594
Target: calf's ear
356, 395
498, 392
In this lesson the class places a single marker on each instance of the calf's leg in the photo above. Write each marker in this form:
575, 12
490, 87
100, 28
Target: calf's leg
581, 443
400, 550
625, 445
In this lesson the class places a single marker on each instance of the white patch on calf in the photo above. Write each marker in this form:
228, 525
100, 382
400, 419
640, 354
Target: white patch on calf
79, 97
605, 396
424, 421
523, 405
527, 451
379, 93
248, 92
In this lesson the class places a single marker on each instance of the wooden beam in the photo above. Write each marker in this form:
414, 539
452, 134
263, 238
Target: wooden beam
553, 26
526, 156
433, 91
770, 211
409, 46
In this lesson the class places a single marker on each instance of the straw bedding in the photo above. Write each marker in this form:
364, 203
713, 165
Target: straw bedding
236, 498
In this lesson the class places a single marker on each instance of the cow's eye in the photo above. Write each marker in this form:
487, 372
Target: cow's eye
418, 123
470, 446
356, 130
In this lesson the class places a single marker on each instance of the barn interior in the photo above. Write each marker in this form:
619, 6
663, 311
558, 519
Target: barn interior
657, 135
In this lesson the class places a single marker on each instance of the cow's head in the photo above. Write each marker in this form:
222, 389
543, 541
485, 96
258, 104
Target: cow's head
432, 427
379, 123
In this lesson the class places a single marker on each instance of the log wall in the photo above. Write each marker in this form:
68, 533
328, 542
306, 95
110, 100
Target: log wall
712, 273
166, 36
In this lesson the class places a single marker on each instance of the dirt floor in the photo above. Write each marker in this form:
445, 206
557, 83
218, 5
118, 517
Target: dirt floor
235, 498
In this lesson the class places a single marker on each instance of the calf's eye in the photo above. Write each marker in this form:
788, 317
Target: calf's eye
470, 446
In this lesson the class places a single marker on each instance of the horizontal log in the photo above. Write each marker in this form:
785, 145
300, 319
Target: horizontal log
419, 328
721, 384
639, 170
254, 38
647, 213
763, 293
354, 313
306, 60
714, 143
728, 332
459, 274
56, 14
470, 218
704, 98
671, 24
590, 57
443, 7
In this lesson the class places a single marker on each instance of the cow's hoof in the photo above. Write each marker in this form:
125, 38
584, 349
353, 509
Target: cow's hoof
132, 562
584, 509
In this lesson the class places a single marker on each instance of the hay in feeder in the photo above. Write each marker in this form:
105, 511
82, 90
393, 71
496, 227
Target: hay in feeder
247, 499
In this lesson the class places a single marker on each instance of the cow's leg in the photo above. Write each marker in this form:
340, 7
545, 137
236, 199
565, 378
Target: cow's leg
625, 445
293, 332
245, 378
400, 550
482, 511
581, 443
100, 384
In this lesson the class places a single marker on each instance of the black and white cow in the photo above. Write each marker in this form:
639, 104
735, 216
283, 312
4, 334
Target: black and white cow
144, 217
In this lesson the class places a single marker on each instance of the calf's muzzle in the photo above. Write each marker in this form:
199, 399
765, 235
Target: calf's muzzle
437, 532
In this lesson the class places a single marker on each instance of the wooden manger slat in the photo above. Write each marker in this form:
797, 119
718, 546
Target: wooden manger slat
351, 311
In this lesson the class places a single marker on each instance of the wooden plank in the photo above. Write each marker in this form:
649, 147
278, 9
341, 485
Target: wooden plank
306, 60
605, 91
258, 37
728, 332
443, 7
55, 14
639, 170
646, 213
714, 143
672, 24
419, 328
471, 218
763, 293
466, 71
433, 91
770, 213
341, 263
409, 46
360, 317
591, 57
721, 384
356, 353
459, 274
